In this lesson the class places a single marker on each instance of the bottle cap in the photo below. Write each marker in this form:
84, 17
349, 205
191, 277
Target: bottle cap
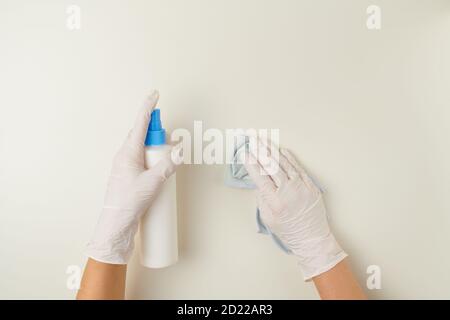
156, 134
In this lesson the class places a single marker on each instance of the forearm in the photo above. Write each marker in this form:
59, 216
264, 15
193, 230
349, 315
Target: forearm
339, 283
102, 281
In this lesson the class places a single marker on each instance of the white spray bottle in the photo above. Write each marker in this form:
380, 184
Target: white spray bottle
158, 227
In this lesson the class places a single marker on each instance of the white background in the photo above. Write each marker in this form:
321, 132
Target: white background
367, 112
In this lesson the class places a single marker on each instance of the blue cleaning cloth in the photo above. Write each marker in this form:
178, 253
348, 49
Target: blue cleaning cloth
236, 176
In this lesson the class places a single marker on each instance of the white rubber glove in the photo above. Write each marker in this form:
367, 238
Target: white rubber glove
130, 192
291, 205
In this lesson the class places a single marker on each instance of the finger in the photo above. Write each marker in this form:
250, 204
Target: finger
287, 167
139, 132
256, 172
269, 159
303, 174
164, 168
148, 184
274, 150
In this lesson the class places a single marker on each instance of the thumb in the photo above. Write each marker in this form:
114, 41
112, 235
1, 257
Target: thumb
140, 128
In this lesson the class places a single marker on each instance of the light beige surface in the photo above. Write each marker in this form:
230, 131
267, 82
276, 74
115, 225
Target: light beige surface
366, 111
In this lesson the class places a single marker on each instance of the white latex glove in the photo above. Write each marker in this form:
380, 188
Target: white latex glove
130, 192
291, 205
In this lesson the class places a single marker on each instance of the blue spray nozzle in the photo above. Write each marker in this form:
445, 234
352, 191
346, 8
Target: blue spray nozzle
156, 134
155, 122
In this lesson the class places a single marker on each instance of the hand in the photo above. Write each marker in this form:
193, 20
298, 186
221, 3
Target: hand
130, 192
291, 205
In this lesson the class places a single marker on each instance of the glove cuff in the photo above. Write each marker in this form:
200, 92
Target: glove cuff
109, 244
322, 252
322, 256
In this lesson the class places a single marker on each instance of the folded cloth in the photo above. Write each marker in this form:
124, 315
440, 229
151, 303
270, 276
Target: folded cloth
236, 175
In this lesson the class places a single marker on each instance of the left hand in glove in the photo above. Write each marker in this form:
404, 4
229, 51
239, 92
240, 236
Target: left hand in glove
131, 190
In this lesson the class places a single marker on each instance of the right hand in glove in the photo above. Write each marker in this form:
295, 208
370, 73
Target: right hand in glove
292, 206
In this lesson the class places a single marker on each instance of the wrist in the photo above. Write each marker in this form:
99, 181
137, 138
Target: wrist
113, 238
319, 255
